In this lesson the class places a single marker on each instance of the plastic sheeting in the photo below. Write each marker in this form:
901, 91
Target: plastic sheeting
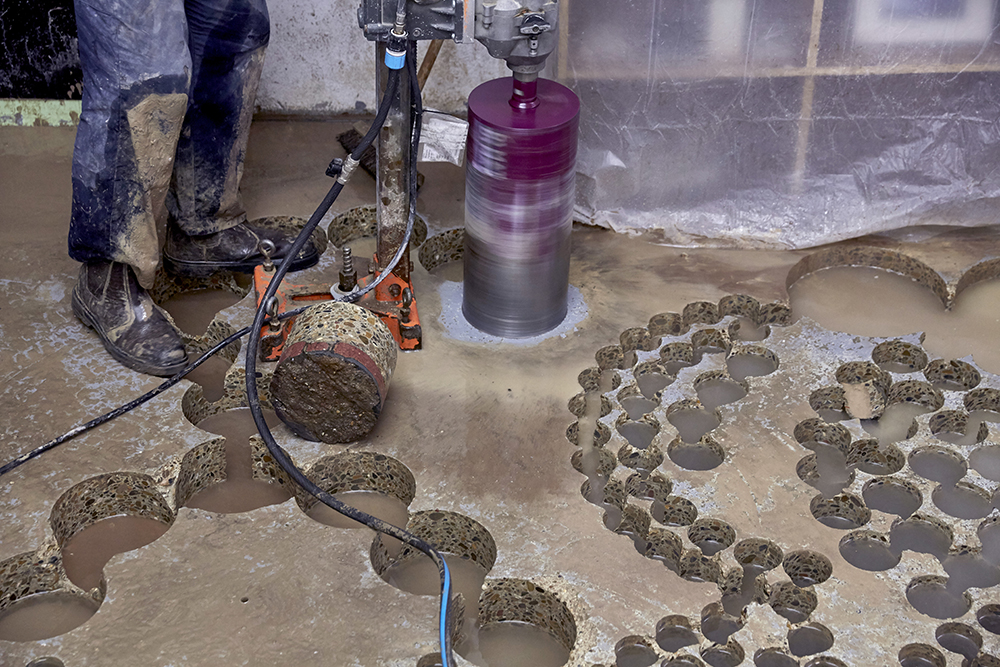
784, 123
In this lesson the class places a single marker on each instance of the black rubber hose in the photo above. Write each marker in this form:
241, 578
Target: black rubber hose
253, 398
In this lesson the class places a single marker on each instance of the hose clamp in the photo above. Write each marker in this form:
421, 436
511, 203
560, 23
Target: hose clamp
350, 164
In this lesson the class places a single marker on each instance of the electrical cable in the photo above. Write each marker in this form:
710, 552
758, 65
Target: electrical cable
253, 398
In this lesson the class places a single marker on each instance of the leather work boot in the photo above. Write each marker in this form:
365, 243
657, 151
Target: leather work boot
108, 299
235, 249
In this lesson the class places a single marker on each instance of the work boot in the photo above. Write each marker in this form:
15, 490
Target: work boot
108, 299
235, 249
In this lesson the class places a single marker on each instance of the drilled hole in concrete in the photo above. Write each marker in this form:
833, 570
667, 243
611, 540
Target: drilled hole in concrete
922, 534
747, 330
938, 464
653, 486
210, 376
986, 461
807, 568
756, 555
104, 516
844, 511
651, 383
773, 657
45, 615
745, 361
792, 602
639, 434
953, 426
374, 483
711, 535
674, 511
829, 403
637, 406
717, 625
597, 462
989, 618
676, 356
929, 595
967, 569
710, 341
664, 546
869, 456
705, 454
989, 538
578, 405
242, 490
729, 654
809, 639
194, 311
674, 633
466, 545
826, 469
445, 248
868, 550
715, 389
696, 566
952, 375
898, 356
47, 661
521, 623
683, 661
691, 420
892, 495
634, 651
601, 434
963, 500
826, 661
920, 655
959, 638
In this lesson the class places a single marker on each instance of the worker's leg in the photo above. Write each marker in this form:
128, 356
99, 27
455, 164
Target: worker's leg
136, 68
208, 229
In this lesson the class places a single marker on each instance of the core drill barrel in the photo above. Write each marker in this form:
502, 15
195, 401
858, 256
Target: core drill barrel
519, 196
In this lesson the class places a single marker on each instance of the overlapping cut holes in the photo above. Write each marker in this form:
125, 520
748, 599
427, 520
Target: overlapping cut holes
875, 459
665, 546
692, 420
633, 402
920, 655
967, 569
605, 465
717, 625
953, 426
898, 356
601, 434
705, 454
647, 459
831, 481
578, 405
830, 403
892, 495
634, 651
809, 639
716, 388
638, 432
729, 654
959, 638
652, 377
868, 550
710, 341
963, 500
929, 594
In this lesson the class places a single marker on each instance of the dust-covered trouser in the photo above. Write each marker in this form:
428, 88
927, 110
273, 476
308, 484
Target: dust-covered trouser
169, 88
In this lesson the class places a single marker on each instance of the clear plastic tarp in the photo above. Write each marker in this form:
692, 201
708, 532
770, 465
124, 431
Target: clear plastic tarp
784, 123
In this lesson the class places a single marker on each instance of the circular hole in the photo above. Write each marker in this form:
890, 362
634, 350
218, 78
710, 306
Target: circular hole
640, 459
674, 633
989, 618
967, 569
674, 511
809, 639
829, 403
706, 454
773, 657
729, 654
747, 330
869, 456
920, 655
715, 390
45, 615
868, 550
895, 424
922, 534
639, 434
757, 554
683, 661
929, 595
952, 375
807, 568
986, 461
634, 651
692, 422
826, 661
194, 310
745, 361
652, 383
962, 501
898, 356
938, 464
954, 426
637, 406
652, 486
594, 462
892, 495
844, 511
695, 566
521, 623
711, 535
717, 625
666, 324
791, 602
989, 538
676, 356
826, 470
959, 638
663, 545
704, 312
48, 661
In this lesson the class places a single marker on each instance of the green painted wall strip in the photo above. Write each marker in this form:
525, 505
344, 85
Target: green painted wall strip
29, 113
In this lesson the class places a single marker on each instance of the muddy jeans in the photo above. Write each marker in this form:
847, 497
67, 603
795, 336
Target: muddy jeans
168, 94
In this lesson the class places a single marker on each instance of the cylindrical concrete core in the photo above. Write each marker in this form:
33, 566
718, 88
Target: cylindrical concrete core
519, 196
333, 375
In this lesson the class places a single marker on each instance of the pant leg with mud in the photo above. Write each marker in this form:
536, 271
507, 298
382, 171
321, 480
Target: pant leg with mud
169, 89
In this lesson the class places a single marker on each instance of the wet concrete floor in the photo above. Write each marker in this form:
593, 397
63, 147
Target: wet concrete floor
482, 429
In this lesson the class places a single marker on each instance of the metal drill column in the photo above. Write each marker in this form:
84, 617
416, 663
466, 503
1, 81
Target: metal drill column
393, 153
